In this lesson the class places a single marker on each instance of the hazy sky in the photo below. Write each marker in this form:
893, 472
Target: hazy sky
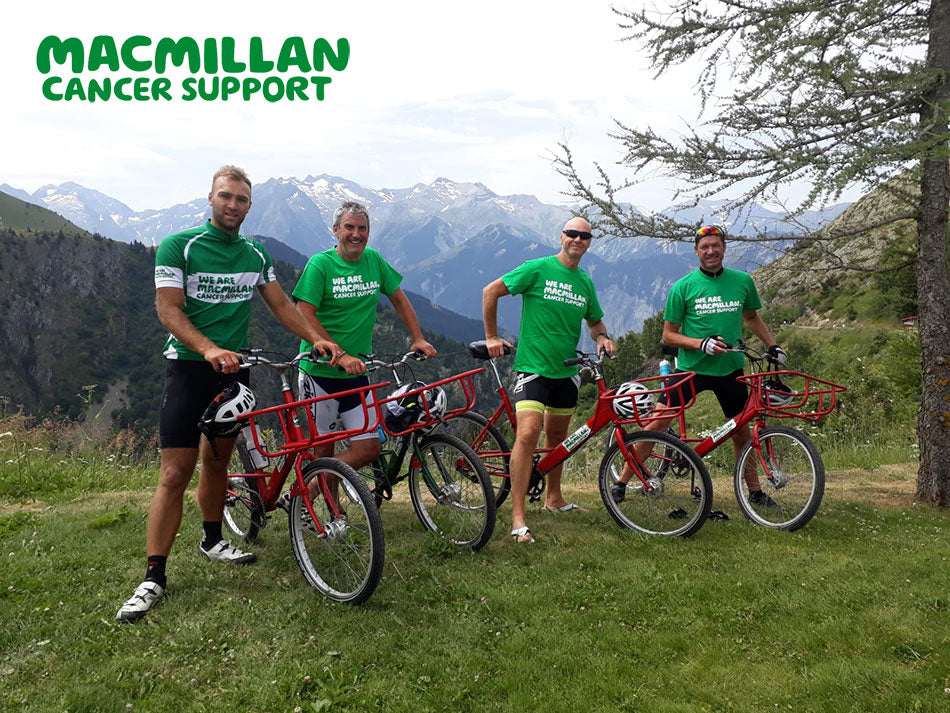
469, 91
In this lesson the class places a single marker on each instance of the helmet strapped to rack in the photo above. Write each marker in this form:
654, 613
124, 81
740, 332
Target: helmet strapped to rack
404, 411
636, 396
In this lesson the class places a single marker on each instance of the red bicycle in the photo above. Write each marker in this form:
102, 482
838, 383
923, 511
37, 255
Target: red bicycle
337, 534
674, 491
780, 462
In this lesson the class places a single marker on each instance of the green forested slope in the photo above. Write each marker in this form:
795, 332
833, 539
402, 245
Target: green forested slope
78, 312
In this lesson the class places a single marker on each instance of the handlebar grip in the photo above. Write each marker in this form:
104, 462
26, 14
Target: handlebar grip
574, 362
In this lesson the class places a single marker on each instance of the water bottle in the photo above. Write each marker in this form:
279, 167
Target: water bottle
381, 433
258, 459
664, 367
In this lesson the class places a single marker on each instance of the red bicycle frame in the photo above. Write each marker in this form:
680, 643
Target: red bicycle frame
297, 440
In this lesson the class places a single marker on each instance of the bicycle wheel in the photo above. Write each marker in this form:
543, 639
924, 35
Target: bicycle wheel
451, 492
243, 508
374, 472
468, 426
792, 479
678, 494
617, 468
346, 563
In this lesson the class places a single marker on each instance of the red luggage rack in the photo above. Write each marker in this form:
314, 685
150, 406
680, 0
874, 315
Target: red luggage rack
300, 438
468, 390
682, 386
817, 399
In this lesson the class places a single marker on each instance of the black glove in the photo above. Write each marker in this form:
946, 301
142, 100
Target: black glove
709, 345
776, 354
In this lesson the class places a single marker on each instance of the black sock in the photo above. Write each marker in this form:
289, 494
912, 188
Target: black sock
155, 570
212, 534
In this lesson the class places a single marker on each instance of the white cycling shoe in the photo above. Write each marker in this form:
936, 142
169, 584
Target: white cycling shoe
142, 599
224, 551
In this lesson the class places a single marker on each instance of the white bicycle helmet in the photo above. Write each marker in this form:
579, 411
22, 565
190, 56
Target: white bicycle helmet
227, 412
776, 393
401, 413
636, 396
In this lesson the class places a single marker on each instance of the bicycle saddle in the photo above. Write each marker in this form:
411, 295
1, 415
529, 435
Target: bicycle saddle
479, 350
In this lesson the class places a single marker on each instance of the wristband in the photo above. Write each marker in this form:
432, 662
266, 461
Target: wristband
601, 334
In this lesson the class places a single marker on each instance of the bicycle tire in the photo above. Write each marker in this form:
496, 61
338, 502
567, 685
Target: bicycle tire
611, 441
681, 495
795, 484
467, 426
243, 511
346, 565
451, 492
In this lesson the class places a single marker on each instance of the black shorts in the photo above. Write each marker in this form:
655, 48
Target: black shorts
730, 393
533, 392
189, 387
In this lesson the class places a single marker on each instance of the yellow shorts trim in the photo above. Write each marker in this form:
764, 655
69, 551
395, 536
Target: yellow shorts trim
539, 407
535, 406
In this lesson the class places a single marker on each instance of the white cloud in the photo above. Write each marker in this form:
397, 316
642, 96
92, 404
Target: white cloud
468, 91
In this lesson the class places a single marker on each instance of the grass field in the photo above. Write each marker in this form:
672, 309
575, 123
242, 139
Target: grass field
849, 614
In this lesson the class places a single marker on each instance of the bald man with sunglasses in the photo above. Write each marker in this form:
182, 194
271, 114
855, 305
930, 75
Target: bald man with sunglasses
557, 295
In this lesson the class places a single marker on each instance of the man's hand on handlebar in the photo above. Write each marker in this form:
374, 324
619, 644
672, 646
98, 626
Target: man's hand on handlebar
421, 345
326, 348
606, 346
776, 354
713, 345
223, 360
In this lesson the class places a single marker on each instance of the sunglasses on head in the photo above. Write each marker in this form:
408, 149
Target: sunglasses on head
582, 234
709, 230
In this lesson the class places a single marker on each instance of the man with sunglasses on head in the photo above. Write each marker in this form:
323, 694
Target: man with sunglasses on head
337, 294
556, 296
705, 311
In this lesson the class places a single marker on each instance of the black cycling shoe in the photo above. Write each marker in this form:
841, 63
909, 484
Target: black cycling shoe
757, 497
618, 492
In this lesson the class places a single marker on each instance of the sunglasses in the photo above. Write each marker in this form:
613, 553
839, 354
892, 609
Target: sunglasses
582, 234
708, 230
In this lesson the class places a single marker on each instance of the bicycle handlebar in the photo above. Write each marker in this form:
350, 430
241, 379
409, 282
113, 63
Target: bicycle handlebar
751, 354
373, 362
253, 357
588, 359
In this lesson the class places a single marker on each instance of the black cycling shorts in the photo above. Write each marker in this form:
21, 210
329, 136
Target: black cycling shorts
730, 393
533, 392
190, 386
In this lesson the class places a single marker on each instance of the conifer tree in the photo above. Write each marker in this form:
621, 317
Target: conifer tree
831, 95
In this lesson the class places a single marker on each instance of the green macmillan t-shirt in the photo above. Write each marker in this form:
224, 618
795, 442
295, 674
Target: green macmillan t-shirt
346, 295
705, 306
218, 272
555, 300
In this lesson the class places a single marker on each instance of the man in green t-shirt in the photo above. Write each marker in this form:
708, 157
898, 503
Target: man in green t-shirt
557, 295
337, 294
205, 278
705, 311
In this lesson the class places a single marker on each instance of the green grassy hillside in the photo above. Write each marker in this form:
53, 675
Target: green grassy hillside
22, 217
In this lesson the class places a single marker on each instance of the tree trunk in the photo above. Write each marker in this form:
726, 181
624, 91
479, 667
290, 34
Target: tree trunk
933, 275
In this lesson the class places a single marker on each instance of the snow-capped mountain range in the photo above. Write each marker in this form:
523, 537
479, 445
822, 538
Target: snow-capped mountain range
448, 238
